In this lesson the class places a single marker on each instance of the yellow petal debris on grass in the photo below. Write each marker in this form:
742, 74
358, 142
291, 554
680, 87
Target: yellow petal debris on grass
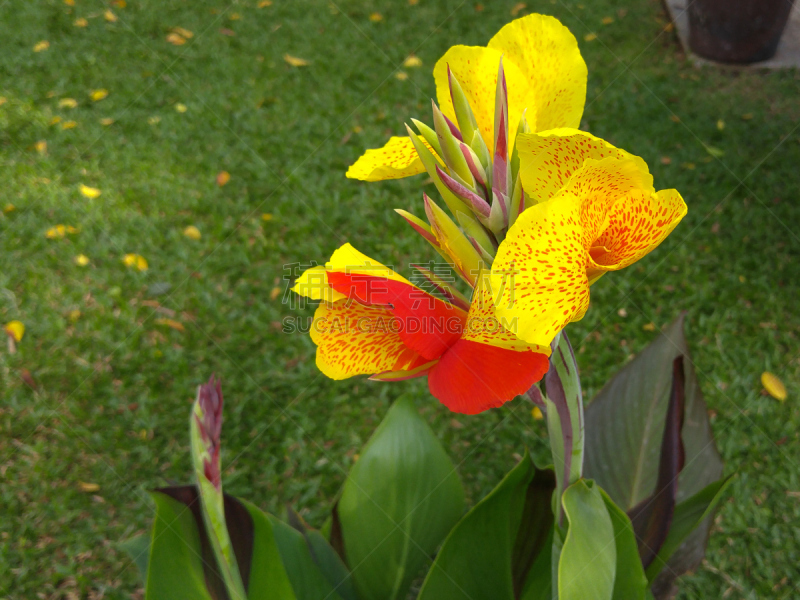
9, 208
401, 75
773, 385
88, 487
175, 39
67, 103
106, 121
15, 330
81, 22
155, 120
110, 16
376, 17
69, 2
517, 8
69, 125
41, 146
607, 20
649, 326
295, 61
223, 177
81, 260
264, 3
192, 232
537, 414
41, 46
412, 62
590, 37
89, 192
235, 16
55, 120
74, 315
181, 108
266, 217
136, 261
184, 33
59, 231
171, 323
274, 293
720, 124
97, 95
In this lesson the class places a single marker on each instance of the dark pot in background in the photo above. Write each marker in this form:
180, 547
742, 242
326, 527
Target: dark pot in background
737, 31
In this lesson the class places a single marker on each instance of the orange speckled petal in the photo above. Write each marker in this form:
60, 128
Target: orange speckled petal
548, 55
539, 273
397, 159
597, 185
549, 158
475, 68
353, 339
637, 224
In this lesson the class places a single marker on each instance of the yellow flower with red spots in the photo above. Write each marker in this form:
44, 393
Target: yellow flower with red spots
373, 321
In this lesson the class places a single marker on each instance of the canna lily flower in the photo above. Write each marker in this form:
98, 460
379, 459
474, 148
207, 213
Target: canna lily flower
373, 321
593, 210
546, 78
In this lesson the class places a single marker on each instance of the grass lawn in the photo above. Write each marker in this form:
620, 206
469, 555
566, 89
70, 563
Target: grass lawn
99, 389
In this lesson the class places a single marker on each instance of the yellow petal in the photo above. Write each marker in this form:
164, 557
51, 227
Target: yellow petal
41, 146
68, 125
135, 261
401, 75
97, 95
397, 159
549, 158
295, 61
346, 259
81, 260
171, 323
376, 17
590, 37
41, 46
181, 108
55, 120
106, 121
274, 293
175, 39
353, 339
772, 384
266, 217
69, 2
223, 177
264, 3
89, 192
110, 16
539, 273
192, 232
608, 20
16, 329
412, 62
9, 208
185, 33
88, 487
81, 22
547, 54
476, 71
313, 283
67, 103
536, 413
59, 231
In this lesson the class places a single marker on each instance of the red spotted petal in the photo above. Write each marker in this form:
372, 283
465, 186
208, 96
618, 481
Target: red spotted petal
472, 377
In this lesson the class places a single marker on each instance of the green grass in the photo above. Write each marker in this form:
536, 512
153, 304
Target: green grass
113, 388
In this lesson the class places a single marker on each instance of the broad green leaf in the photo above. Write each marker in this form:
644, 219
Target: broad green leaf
630, 582
538, 585
175, 566
138, 548
625, 425
307, 580
397, 505
688, 515
494, 549
587, 565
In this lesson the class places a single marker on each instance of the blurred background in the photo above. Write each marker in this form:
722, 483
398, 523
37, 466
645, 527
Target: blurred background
127, 122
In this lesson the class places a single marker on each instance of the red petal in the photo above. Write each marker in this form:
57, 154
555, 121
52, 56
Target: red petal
473, 377
428, 325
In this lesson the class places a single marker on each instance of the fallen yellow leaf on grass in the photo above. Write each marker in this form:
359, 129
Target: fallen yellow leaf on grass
412, 62
170, 323
106, 121
67, 103
376, 17
81, 22
97, 95
274, 293
266, 217
192, 232
89, 192
223, 177
181, 108
120, 3
401, 75
185, 33
175, 39
88, 487
294, 61
264, 3
15, 330
720, 124
154, 120
81, 260
69, 125
773, 385
589, 37
110, 16
536, 413
608, 20
41, 146
135, 260
41, 46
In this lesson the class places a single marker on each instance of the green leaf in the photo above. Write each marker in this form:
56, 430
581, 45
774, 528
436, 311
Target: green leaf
625, 426
138, 548
500, 543
175, 565
630, 582
587, 565
688, 515
398, 503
